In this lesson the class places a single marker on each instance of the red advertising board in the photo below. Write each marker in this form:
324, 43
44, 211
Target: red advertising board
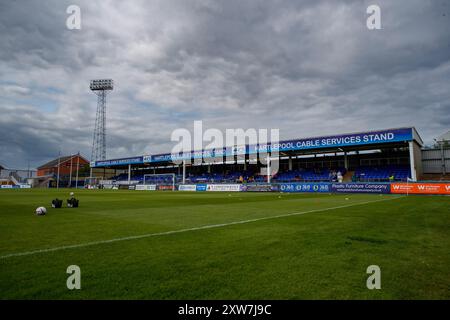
421, 188
162, 187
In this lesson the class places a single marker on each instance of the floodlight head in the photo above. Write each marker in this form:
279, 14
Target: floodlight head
102, 84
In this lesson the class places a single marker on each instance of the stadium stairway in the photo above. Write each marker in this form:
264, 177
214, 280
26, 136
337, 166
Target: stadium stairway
14, 179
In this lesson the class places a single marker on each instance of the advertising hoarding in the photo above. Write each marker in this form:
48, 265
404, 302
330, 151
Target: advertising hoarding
360, 187
421, 188
305, 187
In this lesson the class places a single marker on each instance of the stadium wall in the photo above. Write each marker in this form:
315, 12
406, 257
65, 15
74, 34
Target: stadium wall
436, 161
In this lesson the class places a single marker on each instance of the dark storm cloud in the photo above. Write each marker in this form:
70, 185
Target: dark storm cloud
306, 67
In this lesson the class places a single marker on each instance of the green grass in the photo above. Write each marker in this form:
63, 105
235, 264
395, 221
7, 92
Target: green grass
316, 255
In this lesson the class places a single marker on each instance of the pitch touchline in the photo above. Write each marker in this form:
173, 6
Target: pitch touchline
148, 235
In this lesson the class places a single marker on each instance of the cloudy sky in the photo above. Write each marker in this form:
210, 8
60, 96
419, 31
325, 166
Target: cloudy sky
305, 67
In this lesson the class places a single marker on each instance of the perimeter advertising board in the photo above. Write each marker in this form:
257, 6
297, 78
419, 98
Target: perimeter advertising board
360, 187
223, 187
305, 187
165, 187
187, 187
201, 187
259, 188
20, 186
421, 188
146, 187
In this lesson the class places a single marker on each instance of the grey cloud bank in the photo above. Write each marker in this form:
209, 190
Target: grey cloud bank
306, 67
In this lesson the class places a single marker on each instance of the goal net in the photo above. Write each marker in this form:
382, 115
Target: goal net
162, 181
92, 182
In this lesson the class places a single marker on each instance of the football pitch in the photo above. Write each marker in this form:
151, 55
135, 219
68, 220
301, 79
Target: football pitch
183, 245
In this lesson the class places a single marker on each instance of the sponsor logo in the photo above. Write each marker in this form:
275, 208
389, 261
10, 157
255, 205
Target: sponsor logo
305, 187
116, 162
258, 188
224, 187
361, 187
165, 187
187, 187
146, 187
20, 186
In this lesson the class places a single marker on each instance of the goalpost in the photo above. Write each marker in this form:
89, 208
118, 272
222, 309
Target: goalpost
160, 179
92, 182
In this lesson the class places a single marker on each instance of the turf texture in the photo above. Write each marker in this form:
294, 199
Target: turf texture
213, 245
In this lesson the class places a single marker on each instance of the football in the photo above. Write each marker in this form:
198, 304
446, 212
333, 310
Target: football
41, 211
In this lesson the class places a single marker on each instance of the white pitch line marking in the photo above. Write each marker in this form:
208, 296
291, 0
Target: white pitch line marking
212, 226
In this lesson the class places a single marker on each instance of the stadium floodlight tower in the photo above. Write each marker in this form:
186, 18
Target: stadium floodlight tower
100, 88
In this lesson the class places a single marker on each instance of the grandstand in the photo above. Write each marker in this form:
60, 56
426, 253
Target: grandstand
380, 174
361, 174
373, 156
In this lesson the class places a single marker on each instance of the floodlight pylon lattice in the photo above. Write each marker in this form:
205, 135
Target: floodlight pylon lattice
100, 88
